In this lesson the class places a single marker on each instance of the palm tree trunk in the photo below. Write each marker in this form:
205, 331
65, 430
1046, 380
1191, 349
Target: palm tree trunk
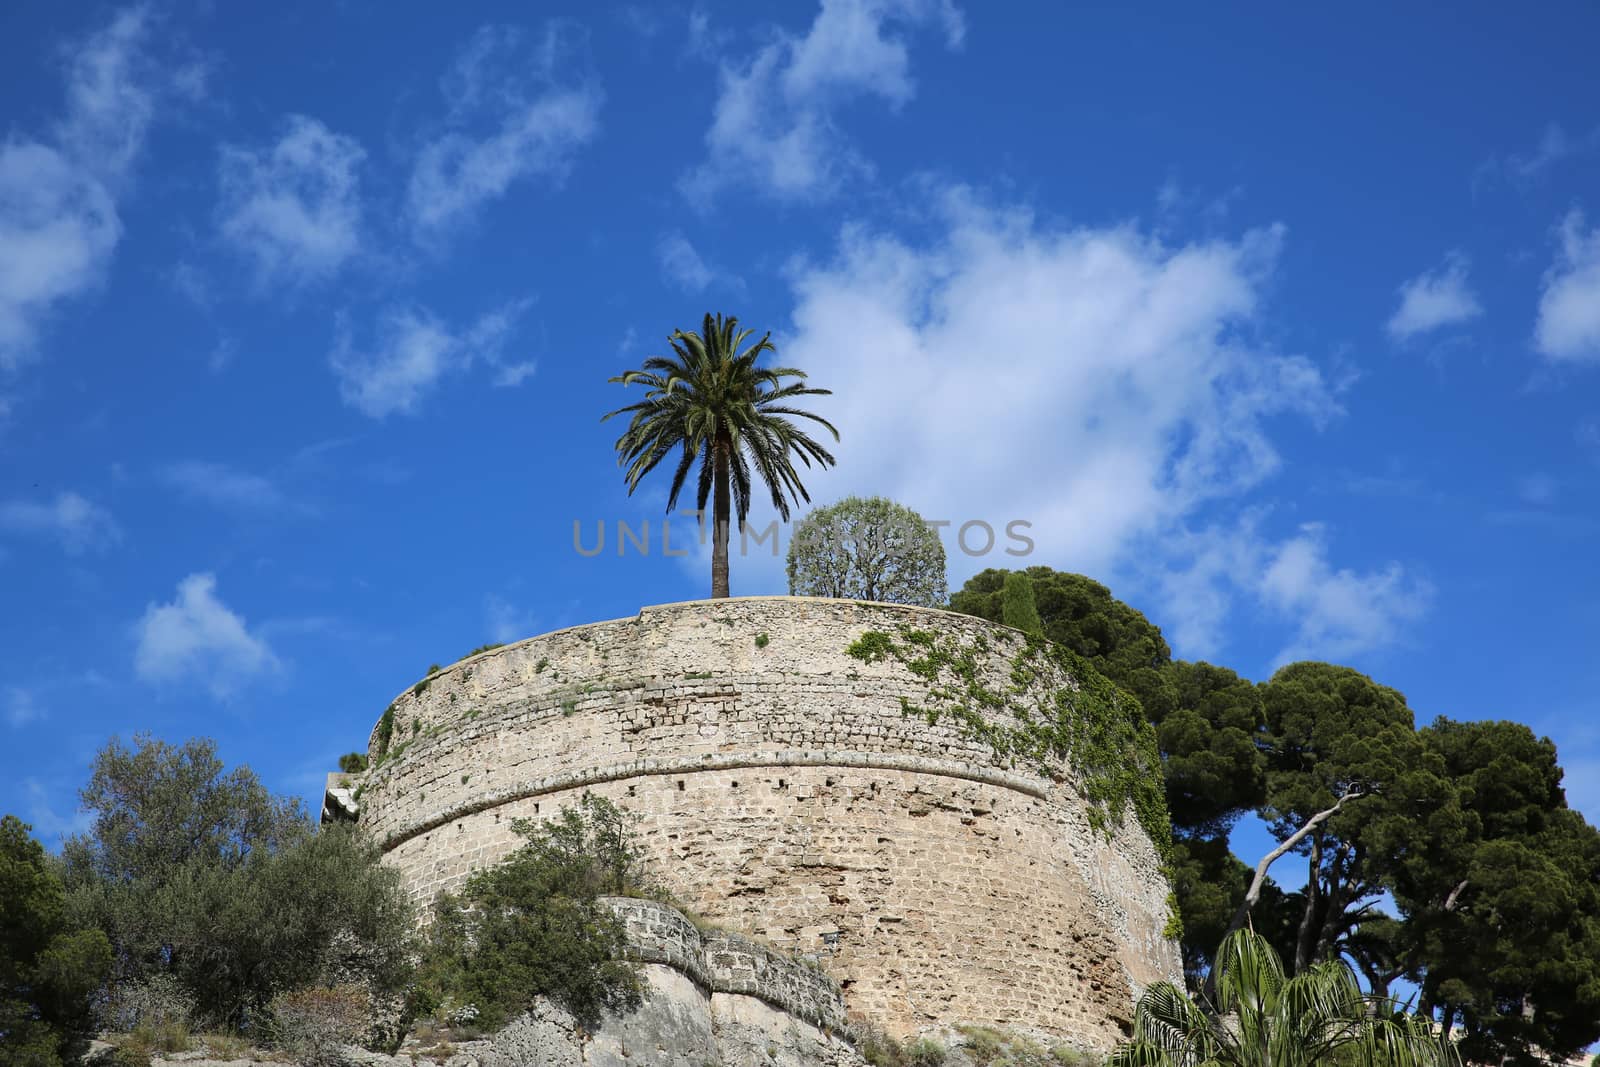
719, 519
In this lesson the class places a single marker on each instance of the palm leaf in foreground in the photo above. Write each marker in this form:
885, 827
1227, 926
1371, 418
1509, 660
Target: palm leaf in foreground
1264, 1019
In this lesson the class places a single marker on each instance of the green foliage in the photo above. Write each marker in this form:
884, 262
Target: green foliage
201, 874
1082, 615
867, 549
1264, 1019
353, 762
982, 1044
385, 731
1096, 729
712, 403
1212, 739
881, 1050
1332, 733
762, 640
871, 646
490, 647
135, 1048
533, 925
1017, 606
47, 969
1501, 892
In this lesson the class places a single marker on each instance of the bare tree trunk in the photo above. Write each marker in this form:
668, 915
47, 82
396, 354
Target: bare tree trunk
719, 520
1253, 895
1340, 893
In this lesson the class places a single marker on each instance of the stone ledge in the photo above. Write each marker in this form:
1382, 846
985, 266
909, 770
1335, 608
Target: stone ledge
850, 760
727, 962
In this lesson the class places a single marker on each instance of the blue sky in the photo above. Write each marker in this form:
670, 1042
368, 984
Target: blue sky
1285, 324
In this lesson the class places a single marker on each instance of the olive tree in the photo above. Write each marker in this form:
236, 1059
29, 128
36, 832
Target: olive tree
867, 548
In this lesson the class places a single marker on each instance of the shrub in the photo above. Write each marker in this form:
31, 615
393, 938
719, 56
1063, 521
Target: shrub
204, 879
881, 1050
1017, 605
534, 925
134, 1049
353, 762
385, 731
982, 1045
154, 1001
314, 1025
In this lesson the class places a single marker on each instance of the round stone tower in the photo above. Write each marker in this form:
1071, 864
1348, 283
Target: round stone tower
851, 780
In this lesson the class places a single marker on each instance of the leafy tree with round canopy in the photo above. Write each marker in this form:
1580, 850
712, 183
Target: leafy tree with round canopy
1350, 786
1263, 1018
712, 402
867, 548
1502, 914
198, 872
1082, 614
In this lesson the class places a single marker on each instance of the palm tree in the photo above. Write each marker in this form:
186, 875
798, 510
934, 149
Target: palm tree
1320, 1016
712, 402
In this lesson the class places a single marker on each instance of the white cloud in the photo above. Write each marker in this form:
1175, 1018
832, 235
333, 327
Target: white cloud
226, 487
58, 217
413, 350
1538, 488
197, 637
77, 523
1336, 612
512, 117
21, 707
511, 375
1525, 168
1568, 328
112, 89
505, 623
681, 263
1435, 299
1096, 382
294, 209
58, 228
1329, 612
193, 283
1553, 147
49, 824
773, 127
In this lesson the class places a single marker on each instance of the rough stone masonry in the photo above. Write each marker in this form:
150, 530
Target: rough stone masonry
783, 790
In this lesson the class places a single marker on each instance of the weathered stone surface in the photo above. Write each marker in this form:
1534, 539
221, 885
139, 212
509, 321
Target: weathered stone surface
783, 791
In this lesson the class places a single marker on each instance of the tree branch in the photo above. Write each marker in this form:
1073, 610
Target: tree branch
1253, 894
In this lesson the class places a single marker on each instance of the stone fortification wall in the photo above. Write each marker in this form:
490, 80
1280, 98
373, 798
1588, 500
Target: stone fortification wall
796, 792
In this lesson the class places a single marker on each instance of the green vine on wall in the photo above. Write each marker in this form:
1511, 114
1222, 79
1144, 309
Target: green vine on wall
1098, 729
385, 731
